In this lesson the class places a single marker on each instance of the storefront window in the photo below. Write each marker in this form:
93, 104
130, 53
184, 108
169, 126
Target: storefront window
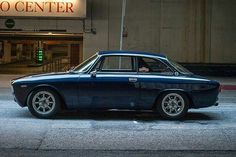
1, 49
13, 49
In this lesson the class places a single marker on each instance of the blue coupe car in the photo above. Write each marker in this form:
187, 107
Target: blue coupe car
118, 80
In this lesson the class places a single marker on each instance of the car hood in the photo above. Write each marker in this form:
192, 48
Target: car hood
48, 74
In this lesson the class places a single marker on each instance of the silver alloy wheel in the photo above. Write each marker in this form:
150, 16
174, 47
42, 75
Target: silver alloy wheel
43, 102
173, 104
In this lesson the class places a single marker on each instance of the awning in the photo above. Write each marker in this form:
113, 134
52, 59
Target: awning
40, 36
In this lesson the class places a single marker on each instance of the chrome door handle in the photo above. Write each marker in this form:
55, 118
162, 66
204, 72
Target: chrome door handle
133, 79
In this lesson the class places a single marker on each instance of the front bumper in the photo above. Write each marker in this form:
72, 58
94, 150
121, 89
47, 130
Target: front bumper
14, 96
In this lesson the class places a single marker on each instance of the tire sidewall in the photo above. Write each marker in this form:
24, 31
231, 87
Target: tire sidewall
166, 116
44, 116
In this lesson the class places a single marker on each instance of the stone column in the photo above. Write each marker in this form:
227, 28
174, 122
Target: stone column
7, 52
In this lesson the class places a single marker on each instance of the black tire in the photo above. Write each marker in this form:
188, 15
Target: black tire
167, 108
52, 97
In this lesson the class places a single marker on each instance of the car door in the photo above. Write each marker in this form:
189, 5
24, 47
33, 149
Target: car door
153, 76
113, 84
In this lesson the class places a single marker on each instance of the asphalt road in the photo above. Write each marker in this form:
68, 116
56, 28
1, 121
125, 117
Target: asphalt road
204, 132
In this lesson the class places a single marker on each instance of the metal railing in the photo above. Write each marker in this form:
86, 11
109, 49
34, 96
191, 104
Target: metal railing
57, 65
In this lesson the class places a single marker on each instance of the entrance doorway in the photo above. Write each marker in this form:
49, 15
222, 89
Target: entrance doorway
75, 56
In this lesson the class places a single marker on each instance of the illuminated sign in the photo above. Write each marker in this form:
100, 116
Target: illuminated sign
39, 56
43, 8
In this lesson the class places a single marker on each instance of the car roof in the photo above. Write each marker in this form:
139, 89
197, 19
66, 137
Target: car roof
138, 53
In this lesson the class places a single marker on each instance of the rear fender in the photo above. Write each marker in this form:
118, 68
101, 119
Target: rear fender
173, 90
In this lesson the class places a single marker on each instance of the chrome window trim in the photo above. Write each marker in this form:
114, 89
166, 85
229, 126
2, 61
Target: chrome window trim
135, 57
176, 68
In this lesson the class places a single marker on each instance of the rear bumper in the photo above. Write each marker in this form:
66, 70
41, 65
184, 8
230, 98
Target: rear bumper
217, 102
17, 101
206, 98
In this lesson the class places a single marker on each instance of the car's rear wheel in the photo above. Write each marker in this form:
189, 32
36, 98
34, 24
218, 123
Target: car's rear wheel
173, 105
44, 103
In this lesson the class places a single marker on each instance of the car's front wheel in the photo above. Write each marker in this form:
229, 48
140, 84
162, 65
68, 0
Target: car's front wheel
173, 105
44, 103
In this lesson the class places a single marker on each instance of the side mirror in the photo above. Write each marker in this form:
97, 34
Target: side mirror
93, 73
176, 73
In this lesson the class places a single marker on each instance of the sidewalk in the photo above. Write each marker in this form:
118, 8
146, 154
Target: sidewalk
19, 69
5, 80
227, 83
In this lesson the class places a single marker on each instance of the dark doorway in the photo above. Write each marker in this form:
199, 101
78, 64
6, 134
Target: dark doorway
75, 55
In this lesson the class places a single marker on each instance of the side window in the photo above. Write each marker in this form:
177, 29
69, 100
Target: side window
149, 65
118, 64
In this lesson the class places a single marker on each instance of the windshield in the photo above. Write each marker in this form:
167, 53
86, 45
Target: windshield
180, 68
84, 66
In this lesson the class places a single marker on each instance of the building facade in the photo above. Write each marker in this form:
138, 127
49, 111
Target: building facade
189, 31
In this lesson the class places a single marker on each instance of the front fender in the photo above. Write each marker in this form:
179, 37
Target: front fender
26, 101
